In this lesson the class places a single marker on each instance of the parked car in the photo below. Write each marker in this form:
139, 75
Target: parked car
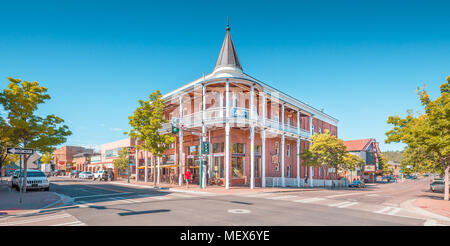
35, 180
357, 184
56, 172
438, 186
86, 175
103, 175
74, 174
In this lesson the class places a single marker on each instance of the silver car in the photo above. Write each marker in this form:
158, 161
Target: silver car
437, 186
35, 180
86, 175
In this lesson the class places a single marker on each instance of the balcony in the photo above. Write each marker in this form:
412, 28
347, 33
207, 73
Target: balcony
237, 115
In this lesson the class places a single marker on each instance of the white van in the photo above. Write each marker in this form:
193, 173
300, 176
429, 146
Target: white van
35, 180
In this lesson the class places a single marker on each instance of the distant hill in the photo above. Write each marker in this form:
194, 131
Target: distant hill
395, 156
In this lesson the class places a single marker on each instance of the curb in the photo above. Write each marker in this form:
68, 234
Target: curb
161, 188
409, 204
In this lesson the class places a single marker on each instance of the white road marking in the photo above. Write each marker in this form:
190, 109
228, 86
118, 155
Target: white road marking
101, 195
281, 197
349, 194
394, 211
239, 211
73, 223
310, 200
37, 219
383, 210
347, 205
338, 204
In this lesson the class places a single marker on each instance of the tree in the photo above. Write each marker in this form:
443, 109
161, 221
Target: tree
121, 163
47, 157
327, 150
6, 141
420, 161
146, 122
27, 130
429, 132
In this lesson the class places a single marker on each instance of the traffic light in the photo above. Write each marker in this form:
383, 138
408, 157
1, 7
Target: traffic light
205, 148
174, 129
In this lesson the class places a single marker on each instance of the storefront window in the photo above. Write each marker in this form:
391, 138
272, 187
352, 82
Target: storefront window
237, 164
258, 167
193, 150
239, 148
218, 147
217, 171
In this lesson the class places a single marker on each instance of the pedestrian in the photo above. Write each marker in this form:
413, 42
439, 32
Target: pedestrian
306, 181
187, 176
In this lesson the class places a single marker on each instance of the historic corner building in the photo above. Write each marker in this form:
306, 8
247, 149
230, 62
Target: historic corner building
255, 132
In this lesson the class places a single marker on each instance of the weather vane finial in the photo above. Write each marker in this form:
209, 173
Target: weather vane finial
228, 23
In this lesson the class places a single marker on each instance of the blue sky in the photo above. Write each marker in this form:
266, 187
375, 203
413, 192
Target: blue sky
359, 60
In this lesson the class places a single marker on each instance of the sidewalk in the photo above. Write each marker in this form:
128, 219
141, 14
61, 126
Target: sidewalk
217, 189
31, 200
440, 207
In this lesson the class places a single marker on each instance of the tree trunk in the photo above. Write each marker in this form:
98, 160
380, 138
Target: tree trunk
446, 181
154, 170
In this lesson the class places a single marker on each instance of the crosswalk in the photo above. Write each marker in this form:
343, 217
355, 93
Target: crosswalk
52, 219
330, 201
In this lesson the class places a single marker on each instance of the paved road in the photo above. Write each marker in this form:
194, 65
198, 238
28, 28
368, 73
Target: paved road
103, 203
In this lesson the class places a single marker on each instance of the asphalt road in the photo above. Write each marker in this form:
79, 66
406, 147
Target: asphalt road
102, 203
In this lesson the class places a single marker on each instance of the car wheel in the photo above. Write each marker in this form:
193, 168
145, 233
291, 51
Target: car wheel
17, 188
47, 189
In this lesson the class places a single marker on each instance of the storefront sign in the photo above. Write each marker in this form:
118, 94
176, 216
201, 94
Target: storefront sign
369, 168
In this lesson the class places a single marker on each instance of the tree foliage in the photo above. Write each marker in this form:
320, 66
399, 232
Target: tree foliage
328, 150
47, 157
121, 162
26, 129
146, 122
429, 133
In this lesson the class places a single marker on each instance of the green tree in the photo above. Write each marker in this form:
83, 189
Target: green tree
21, 100
121, 162
6, 141
429, 132
327, 150
146, 122
47, 157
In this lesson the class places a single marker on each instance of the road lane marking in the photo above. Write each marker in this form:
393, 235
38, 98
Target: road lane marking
350, 194
338, 204
383, 210
73, 223
310, 200
281, 197
239, 211
37, 219
101, 195
347, 205
394, 211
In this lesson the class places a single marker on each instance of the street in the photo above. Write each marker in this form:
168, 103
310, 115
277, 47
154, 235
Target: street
95, 203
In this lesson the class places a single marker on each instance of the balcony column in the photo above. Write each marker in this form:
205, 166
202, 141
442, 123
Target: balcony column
252, 138
180, 137
298, 149
227, 135
283, 180
203, 131
263, 140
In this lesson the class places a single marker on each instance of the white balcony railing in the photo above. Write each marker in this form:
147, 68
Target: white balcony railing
237, 115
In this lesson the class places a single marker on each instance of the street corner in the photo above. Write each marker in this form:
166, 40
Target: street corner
440, 207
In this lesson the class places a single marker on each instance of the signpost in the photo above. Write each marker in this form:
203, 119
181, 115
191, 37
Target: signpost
130, 159
20, 151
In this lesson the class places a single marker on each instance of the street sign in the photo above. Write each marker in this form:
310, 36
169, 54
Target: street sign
19, 151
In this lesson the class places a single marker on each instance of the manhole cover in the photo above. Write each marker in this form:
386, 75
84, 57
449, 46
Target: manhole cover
239, 211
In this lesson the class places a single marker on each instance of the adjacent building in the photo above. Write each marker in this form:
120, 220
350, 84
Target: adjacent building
63, 158
368, 150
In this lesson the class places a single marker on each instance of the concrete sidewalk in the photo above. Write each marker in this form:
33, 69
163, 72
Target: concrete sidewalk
31, 200
440, 207
216, 189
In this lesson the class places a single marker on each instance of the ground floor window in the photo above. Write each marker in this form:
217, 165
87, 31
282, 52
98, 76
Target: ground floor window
192, 165
258, 167
237, 165
217, 168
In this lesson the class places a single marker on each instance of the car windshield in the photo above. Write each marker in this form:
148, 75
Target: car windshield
87, 172
31, 174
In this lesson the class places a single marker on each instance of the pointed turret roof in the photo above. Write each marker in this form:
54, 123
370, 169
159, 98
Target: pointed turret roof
228, 56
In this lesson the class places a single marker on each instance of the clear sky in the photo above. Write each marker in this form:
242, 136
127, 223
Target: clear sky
359, 60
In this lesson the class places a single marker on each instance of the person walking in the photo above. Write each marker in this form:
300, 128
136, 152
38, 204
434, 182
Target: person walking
187, 176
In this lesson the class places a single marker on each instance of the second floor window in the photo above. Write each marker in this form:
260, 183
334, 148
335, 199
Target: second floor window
238, 148
277, 148
288, 148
